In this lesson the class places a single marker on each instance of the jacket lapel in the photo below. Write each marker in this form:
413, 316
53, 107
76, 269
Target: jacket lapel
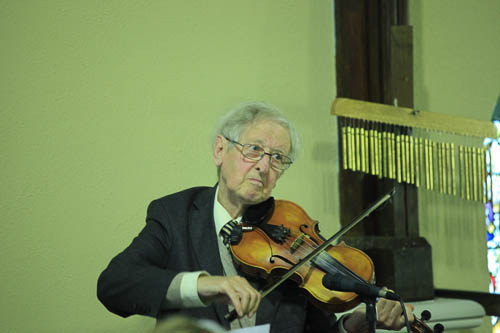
202, 233
205, 242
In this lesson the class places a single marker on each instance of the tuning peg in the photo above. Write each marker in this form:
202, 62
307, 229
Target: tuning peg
425, 315
438, 328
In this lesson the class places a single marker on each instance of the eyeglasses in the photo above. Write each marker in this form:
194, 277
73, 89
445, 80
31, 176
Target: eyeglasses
255, 152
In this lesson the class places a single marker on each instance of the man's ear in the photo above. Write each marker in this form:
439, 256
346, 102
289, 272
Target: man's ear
219, 149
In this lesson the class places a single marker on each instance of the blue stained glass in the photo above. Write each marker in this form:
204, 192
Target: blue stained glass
489, 211
492, 212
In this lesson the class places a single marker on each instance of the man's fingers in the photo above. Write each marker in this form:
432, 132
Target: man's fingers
234, 289
390, 314
254, 302
409, 311
244, 299
250, 298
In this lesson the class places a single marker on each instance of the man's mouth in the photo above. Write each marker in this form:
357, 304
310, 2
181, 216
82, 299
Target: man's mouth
256, 181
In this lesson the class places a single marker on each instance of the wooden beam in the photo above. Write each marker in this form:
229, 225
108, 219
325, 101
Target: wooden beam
408, 117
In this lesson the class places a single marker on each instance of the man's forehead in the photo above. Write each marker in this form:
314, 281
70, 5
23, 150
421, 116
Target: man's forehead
260, 133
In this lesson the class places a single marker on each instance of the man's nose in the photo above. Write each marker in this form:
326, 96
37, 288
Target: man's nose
264, 163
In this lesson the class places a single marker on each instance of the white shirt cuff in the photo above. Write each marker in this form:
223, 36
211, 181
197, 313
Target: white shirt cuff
189, 290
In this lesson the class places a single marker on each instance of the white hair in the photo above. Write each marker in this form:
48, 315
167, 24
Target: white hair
234, 123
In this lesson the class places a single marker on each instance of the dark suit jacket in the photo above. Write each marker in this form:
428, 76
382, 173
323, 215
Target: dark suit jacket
180, 236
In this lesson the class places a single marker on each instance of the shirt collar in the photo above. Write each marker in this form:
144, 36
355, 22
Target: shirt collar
221, 215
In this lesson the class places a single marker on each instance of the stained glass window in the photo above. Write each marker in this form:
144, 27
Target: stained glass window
492, 210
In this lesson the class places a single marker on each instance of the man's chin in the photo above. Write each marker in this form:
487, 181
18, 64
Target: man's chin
255, 198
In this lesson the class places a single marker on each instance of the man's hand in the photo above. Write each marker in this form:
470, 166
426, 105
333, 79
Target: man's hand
389, 314
233, 290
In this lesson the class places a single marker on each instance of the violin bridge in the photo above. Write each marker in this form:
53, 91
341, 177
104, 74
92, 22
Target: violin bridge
297, 243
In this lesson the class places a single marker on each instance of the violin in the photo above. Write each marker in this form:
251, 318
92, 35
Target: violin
281, 235
258, 254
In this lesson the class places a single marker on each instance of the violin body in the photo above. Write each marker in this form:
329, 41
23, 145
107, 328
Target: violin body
259, 255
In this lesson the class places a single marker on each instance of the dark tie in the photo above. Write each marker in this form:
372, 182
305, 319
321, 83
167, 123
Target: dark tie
226, 232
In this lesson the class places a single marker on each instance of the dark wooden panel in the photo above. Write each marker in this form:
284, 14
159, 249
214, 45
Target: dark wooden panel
368, 65
401, 76
401, 264
351, 53
374, 63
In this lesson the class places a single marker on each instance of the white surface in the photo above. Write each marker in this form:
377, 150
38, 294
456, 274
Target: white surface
255, 329
449, 312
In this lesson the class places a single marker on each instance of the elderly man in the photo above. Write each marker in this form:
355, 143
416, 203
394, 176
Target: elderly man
180, 263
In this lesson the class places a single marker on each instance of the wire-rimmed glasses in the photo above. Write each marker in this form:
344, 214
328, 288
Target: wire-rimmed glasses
255, 152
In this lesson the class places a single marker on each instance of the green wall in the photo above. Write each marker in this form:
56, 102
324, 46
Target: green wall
107, 105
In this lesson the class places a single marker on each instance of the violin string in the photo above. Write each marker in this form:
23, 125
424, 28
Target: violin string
332, 265
323, 260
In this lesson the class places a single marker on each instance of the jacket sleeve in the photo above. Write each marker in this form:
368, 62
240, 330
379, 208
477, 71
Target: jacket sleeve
322, 321
136, 280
